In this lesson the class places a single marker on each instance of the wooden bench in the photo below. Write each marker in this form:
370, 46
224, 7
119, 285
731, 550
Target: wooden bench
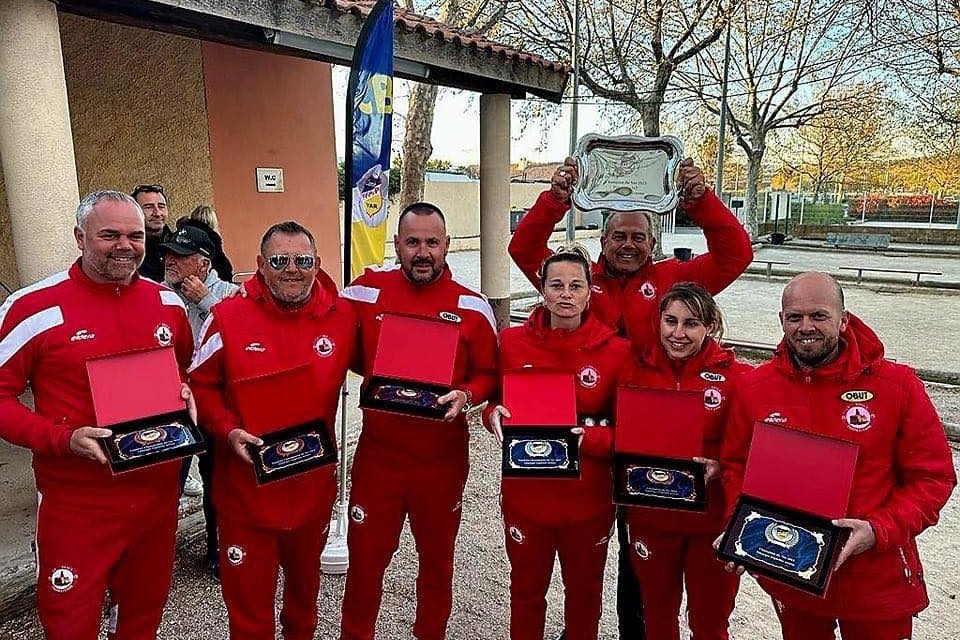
770, 264
916, 282
875, 241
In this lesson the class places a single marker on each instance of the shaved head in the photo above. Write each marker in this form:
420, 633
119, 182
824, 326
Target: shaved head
815, 282
813, 317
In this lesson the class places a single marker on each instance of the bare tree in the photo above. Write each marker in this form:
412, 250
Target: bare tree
789, 57
629, 49
919, 45
844, 142
475, 16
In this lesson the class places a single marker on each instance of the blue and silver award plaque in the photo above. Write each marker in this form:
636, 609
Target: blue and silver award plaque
147, 441
668, 484
404, 396
789, 546
153, 440
780, 545
653, 481
540, 452
292, 451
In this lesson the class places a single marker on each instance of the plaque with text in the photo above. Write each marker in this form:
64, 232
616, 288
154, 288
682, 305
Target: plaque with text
790, 546
628, 173
540, 452
654, 481
152, 440
292, 451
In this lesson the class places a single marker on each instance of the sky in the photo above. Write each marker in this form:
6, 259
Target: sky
456, 126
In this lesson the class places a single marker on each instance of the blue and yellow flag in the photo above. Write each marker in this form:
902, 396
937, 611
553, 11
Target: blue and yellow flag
369, 133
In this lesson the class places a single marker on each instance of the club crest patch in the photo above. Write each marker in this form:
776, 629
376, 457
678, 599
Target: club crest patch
641, 549
856, 396
357, 514
648, 291
858, 417
163, 334
588, 377
515, 534
323, 346
712, 398
235, 555
62, 579
450, 317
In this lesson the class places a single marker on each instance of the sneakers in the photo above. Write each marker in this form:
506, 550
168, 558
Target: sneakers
193, 487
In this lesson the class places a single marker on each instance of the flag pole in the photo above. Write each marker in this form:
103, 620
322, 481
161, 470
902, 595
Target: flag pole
335, 558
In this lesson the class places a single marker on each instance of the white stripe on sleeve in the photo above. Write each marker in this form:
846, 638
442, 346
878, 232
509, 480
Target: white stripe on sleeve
28, 329
481, 306
213, 344
360, 293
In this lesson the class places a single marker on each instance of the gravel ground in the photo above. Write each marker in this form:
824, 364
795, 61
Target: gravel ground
196, 611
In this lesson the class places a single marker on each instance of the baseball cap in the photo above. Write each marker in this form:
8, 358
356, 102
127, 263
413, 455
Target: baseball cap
188, 241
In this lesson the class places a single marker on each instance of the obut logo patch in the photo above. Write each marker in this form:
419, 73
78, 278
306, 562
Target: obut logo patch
856, 396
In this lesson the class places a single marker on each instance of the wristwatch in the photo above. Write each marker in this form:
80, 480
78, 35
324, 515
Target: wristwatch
468, 405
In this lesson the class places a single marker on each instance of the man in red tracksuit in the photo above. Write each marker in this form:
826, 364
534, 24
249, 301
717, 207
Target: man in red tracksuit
406, 466
628, 284
291, 317
829, 377
95, 531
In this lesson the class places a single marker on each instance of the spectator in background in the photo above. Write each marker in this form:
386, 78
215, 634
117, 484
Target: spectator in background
204, 218
187, 270
153, 202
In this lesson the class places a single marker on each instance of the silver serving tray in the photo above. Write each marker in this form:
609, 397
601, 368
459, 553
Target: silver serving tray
628, 173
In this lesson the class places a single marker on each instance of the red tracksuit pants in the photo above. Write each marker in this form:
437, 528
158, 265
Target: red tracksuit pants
800, 625
250, 558
385, 491
82, 553
663, 561
532, 548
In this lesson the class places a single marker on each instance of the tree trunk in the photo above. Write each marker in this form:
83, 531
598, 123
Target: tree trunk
417, 148
650, 115
754, 167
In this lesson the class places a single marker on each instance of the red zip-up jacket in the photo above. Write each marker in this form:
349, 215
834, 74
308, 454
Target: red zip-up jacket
594, 355
246, 338
712, 371
48, 331
904, 473
630, 304
380, 290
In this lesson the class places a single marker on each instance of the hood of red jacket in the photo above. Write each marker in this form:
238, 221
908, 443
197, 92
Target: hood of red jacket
322, 296
860, 350
590, 334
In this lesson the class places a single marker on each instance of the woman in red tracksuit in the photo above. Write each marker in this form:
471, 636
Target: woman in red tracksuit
669, 547
572, 518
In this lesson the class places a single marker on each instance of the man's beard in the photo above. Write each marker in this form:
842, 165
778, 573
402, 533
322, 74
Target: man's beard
414, 276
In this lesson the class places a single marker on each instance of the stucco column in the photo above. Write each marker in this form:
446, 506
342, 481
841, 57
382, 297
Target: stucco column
36, 144
495, 203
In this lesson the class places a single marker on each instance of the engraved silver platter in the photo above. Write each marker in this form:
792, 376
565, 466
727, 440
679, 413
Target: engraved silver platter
628, 173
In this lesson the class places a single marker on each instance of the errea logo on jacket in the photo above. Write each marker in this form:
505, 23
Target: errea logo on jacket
82, 334
255, 347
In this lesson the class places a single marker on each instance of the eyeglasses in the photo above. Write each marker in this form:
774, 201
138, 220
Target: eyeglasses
303, 261
147, 188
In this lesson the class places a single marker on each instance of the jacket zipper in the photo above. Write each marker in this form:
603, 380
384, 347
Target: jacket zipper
906, 566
